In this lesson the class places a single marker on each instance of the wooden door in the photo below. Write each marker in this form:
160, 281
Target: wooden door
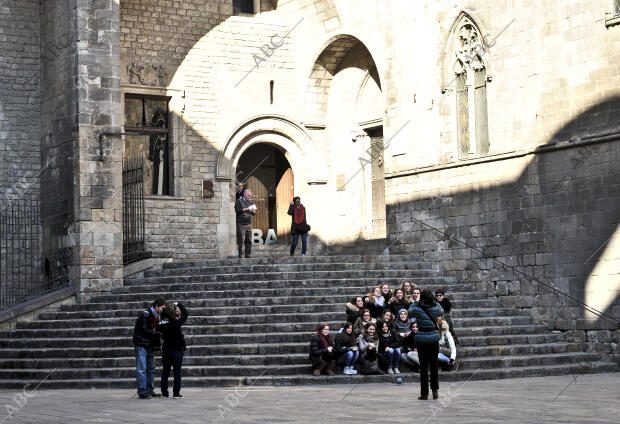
284, 194
260, 196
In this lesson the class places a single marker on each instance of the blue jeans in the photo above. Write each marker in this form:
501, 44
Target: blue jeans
304, 243
443, 358
392, 356
172, 359
348, 359
145, 370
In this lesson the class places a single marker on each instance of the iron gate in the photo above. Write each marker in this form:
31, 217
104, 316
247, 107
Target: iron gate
22, 275
133, 210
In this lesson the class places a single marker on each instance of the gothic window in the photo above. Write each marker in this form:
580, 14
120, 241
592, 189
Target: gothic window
243, 6
148, 138
470, 91
616, 7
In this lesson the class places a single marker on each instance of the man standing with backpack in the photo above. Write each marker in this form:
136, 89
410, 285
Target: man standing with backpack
146, 342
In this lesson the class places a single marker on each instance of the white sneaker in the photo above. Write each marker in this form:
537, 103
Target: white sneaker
352, 370
390, 371
396, 370
347, 371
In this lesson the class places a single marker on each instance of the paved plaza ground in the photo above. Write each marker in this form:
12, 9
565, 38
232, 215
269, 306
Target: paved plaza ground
562, 399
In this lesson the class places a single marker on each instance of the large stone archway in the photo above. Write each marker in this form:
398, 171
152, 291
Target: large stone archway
299, 149
345, 106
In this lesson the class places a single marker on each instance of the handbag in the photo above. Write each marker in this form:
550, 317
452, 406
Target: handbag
304, 228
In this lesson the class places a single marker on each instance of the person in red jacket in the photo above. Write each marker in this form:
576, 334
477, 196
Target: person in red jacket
299, 226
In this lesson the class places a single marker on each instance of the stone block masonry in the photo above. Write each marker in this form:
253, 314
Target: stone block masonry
20, 145
555, 221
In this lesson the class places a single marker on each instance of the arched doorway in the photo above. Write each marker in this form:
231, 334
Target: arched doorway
344, 97
264, 169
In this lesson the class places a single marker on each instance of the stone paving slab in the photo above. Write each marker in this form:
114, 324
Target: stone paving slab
563, 399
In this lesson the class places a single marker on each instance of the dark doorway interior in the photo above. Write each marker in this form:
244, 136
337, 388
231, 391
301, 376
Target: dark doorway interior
264, 169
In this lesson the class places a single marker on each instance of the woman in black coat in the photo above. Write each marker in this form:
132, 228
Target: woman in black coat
354, 309
322, 353
173, 347
298, 226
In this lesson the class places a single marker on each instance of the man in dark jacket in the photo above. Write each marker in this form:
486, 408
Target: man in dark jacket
245, 210
146, 341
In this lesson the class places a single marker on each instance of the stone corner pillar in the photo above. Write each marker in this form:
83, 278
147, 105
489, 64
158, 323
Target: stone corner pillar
98, 171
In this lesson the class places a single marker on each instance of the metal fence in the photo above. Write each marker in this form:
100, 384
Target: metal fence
21, 270
133, 210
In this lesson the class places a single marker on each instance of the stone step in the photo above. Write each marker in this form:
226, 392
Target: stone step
394, 276
177, 284
524, 362
271, 349
516, 349
293, 267
346, 292
511, 339
228, 334
306, 379
237, 310
292, 260
249, 316
288, 358
259, 301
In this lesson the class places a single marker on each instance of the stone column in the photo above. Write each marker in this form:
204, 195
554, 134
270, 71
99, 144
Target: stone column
98, 171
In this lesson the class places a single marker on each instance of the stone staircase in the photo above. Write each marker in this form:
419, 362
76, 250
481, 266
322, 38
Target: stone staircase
251, 321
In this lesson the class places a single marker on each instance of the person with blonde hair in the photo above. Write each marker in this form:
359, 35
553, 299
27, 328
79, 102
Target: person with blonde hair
447, 347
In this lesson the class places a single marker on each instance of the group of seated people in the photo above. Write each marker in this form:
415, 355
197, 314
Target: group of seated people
380, 334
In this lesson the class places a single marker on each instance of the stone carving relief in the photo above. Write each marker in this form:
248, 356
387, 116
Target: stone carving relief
153, 75
468, 48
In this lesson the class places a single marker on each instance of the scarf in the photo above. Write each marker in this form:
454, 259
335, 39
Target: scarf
379, 301
299, 214
370, 339
156, 319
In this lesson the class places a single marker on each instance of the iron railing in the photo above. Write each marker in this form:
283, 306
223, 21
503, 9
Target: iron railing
22, 275
133, 210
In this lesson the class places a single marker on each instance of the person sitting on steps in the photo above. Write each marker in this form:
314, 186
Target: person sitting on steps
354, 309
389, 348
447, 348
346, 349
359, 327
322, 352
368, 344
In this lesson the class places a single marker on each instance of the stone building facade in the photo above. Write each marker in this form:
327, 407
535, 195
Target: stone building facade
480, 135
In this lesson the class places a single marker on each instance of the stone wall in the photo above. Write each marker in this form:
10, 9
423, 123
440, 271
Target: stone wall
58, 131
526, 228
204, 48
20, 149
20, 156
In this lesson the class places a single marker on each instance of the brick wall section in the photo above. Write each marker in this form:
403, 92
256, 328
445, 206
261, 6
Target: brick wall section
158, 31
20, 146
58, 128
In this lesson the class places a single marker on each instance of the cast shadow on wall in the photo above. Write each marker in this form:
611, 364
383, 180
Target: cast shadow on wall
556, 223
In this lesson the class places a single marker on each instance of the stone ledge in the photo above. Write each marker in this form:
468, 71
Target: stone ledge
140, 266
36, 303
612, 21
